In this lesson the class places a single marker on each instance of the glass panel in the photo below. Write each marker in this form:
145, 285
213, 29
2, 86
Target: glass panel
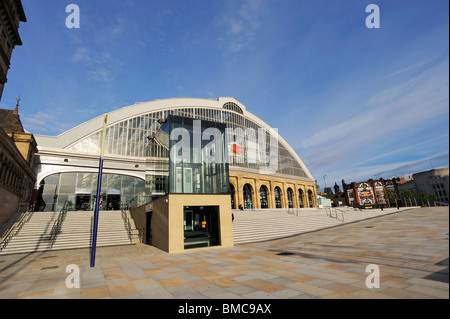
198, 164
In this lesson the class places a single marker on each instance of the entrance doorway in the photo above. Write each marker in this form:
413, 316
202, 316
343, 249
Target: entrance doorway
233, 205
290, 198
112, 202
148, 233
201, 226
248, 200
263, 196
277, 192
82, 202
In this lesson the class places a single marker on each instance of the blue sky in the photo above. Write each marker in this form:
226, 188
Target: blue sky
355, 103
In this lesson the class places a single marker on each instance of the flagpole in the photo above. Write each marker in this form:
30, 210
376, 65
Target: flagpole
99, 187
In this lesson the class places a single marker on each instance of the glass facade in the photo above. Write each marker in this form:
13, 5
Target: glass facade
191, 155
129, 137
79, 189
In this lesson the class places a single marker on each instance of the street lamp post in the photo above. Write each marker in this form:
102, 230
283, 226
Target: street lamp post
324, 189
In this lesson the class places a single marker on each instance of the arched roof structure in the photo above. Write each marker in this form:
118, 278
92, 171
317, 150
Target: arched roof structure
129, 127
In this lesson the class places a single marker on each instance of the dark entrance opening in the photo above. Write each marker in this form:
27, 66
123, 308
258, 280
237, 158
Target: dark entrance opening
82, 202
290, 198
263, 196
112, 202
148, 232
248, 200
233, 205
201, 226
277, 192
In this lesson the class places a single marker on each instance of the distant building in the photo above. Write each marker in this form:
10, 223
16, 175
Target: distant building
337, 198
17, 150
369, 192
434, 181
11, 14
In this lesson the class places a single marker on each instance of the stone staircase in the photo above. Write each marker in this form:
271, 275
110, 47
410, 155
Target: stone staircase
268, 224
75, 232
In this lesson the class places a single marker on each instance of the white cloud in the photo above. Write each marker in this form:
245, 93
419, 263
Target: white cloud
243, 24
408, 104
82, 55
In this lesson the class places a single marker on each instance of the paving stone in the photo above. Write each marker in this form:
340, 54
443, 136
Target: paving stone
406, 245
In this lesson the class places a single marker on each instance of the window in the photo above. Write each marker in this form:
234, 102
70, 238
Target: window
233, 107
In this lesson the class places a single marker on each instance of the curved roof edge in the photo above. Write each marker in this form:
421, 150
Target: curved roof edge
69, 137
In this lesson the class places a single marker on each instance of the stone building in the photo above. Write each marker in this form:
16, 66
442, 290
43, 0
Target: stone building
434, 181
11, 14
17, 151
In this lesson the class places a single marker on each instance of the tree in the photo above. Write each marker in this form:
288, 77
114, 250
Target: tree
392, 194
407, 194
427, 197
414, 195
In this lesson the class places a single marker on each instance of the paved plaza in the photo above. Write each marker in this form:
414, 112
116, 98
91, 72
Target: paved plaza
410, 249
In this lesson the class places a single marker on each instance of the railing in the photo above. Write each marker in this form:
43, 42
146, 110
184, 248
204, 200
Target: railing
58, 224
127, 223
15, 229
293, 211
329, 212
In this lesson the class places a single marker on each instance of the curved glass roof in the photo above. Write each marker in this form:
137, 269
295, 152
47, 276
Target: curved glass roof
127, 137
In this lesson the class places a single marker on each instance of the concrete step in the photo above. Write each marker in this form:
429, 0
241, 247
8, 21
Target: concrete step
76, 232
261, 225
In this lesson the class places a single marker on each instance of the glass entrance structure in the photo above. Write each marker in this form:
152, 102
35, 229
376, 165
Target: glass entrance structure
188, 157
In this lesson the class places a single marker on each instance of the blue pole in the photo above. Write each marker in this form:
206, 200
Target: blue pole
97, 204
97, 201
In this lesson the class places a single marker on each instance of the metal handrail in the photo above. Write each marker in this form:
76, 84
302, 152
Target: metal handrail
56, 229
126, 223
292, 210
14, 229
330, 209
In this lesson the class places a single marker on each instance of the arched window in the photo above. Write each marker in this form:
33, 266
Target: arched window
248, 202
233, 203
300, 198
310, 198
290, 198
232, 107
263, 196
277, 193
